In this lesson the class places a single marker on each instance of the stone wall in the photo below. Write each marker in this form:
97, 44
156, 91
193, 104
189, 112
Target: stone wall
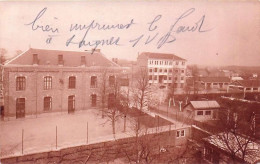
104, 151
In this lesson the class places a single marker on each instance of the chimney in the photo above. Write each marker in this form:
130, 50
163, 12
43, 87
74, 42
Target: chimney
115, 60
83, 61
60, 60
35, 59
95, 50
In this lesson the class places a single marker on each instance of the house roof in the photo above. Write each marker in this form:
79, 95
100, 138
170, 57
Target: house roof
154, 55
204, 104
71, 58
215, 79
247, 83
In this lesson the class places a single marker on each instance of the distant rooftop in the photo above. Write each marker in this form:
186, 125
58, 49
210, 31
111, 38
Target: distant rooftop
154, 55
204, 104
215, 79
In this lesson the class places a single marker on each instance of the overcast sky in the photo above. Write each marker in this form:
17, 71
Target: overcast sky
224, 33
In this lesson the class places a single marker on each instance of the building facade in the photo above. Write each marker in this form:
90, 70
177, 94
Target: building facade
164, 69
41, 81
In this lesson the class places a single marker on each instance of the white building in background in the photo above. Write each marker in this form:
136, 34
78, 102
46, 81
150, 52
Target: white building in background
164, 69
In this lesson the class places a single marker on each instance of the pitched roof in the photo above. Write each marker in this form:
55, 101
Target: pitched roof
215, 79
71, 58
204, 104
154, 55
247, 83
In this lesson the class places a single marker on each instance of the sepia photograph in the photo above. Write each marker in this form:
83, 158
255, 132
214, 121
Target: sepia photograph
126, 82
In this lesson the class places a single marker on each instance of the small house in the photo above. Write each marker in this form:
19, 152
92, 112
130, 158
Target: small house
202, 110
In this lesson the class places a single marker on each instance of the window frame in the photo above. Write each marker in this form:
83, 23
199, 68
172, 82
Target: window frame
20, 83
45, 102
47, 82
72, 82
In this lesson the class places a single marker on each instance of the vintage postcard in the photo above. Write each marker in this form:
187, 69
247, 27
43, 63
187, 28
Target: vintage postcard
130, 82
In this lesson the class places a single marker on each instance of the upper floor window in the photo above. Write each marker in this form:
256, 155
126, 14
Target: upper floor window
72, 82
183, 63
176, 70
170, 62
93, 81
160, 70
182, 71
47, 103
165, 70
182, 78
47, 82
177, 63
170, 70
20, 83
155, 69
150, 77
111, 80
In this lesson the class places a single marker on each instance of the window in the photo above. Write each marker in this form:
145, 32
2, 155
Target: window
72, 82
176, 71
111, 80
150, 70
181, 85
47, 103
180, 133
155, 77
93, 82
47, 82
255, 89
208, 112
150, 77
155, 69
165, 70
170, 78
183, 63
170, 62
71, 103
215, 83
177, 63
93, 100
165, 77
170, 70
20, 83
248, 89
176, 78
111, 101
160, 70
182, 71
182, 78
199, 113
20, 107
60, 59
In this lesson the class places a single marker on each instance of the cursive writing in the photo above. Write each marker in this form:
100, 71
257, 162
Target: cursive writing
45, 28
80, 34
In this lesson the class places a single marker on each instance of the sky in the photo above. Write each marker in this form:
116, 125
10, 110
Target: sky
205, 33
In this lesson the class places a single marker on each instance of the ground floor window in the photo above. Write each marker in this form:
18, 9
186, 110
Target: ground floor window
180, 133
199, 113
208, 112
20, 107
47, 103
93, 100
71, 103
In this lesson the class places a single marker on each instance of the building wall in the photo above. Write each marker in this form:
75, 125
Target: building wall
34, 92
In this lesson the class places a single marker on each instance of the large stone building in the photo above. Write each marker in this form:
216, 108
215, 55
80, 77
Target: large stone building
164, 69
39, 81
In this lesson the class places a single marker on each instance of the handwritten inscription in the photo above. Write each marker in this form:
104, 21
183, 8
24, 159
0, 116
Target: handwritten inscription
80, 33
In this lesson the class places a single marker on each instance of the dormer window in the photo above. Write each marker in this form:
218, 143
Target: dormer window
35, 59
60, 60
83, 60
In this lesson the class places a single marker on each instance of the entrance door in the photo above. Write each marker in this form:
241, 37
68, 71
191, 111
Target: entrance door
20, 108
71, 104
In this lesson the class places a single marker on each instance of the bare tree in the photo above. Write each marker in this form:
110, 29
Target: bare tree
3, 53
103, 89
236, 134
141, 89
195, 76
